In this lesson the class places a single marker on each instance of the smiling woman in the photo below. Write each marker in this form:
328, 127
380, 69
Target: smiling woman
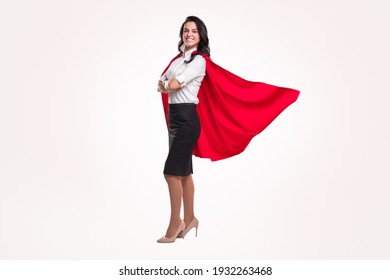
182, 81
231, 112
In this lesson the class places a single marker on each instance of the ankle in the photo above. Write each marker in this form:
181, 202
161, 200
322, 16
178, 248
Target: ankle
174, 221
189, 219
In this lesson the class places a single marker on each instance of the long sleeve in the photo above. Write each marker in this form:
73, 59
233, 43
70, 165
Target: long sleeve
197, 68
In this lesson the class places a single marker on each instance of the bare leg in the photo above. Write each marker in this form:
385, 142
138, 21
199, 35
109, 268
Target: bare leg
175, 194
188, 198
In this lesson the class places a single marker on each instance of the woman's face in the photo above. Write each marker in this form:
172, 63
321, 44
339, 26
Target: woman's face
190, 35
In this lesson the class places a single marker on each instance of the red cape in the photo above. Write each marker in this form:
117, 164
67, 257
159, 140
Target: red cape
233, 110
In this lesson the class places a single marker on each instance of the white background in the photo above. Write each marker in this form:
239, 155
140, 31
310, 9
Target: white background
83, 138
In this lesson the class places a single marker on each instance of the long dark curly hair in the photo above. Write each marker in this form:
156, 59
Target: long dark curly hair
203, 46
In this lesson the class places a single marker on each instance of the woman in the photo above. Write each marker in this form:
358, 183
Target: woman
231, 112
182, 81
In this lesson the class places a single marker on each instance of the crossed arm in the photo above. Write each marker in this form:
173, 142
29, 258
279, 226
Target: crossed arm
195, 69
169, 85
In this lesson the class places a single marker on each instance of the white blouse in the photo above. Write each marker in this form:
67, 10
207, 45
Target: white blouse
189, 75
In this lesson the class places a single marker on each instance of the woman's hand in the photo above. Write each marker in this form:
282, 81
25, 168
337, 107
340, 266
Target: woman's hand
173, 85
160, 87
169, 85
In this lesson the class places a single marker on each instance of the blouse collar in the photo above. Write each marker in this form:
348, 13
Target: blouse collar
187, 54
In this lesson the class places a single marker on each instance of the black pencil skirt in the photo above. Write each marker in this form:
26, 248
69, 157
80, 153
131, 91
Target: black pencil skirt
184, 131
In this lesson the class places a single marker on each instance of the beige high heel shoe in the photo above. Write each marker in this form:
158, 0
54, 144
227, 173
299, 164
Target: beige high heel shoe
179, 230
193, 224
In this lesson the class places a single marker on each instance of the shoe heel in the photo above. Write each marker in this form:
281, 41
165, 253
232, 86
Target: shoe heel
196, 232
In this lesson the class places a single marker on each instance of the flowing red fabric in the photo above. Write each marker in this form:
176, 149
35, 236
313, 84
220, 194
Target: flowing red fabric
233, 110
